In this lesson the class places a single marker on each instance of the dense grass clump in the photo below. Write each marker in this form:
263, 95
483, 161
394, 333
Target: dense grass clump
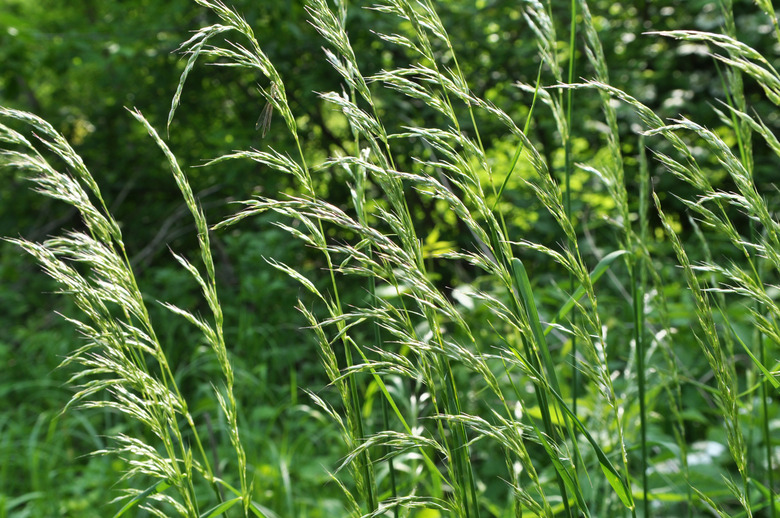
494, 374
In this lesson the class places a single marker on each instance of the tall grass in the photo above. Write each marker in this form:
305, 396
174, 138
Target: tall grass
428, 389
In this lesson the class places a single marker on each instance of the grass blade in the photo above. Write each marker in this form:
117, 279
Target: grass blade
221, 508
159, 487
595, 275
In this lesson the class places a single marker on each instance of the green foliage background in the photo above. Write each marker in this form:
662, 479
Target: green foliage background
80, 64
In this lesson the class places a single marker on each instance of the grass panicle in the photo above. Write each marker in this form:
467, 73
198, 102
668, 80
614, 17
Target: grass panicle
432, 386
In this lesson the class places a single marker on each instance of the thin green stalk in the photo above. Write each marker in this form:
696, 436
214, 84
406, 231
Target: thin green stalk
277, 98
461, 450
568, 161
636, 276
540, 395
520, 146
359, 204
638, 279
377, 332
767, 436
644, 260
736, 100
616, 186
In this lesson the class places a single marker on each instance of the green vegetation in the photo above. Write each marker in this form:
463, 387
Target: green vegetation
529, 294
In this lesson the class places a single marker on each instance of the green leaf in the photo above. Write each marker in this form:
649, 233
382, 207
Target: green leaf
555, 416
767, 375
618, 486
595, 275
259, 510
523, 285
220, 508
159, 487
522, 144
614, 478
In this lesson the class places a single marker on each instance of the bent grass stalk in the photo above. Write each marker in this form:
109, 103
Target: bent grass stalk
614, 177
122, 345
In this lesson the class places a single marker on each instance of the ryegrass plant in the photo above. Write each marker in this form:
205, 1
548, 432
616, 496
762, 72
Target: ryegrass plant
122, 356
565, 449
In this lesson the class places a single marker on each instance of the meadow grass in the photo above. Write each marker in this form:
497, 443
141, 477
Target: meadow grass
439, 403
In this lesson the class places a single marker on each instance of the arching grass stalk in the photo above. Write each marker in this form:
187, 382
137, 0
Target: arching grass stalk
542, 24
733, 89
254, 58
332, 28
214, 333
389, 182
714, 352
614, 177
123, 354
748, 281
519, 148
560, 469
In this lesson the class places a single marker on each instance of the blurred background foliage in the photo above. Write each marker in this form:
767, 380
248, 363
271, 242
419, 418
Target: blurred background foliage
79, 65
